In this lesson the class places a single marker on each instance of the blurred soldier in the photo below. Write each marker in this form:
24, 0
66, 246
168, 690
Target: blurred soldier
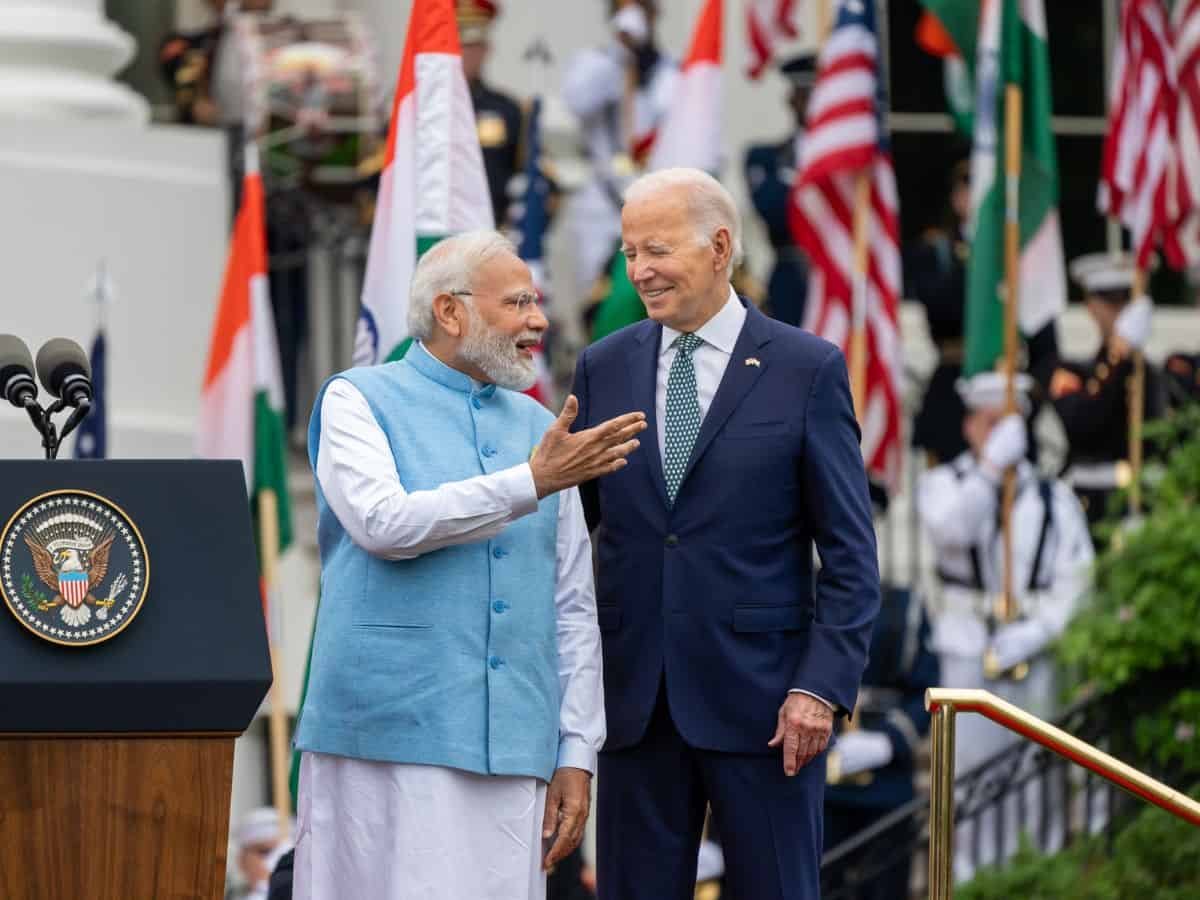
1092, 397
1182, 378
259, 848
498, 117
203, 70
770, 171
936, 270
619, 93
871, 766
959, 506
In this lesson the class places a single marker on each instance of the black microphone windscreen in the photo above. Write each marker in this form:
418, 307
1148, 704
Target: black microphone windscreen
15, 358
58, 359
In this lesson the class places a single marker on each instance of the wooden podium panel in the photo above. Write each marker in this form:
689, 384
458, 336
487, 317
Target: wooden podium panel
114, 817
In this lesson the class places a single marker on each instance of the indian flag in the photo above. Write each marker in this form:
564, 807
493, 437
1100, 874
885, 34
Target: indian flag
690, 133
1012, 49
241, 406
433, 182
947, 29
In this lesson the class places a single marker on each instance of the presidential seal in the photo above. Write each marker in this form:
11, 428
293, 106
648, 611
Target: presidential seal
73, 568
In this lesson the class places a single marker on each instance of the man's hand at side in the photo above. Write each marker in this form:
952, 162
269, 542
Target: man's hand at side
805, 724
568, 799
563, 460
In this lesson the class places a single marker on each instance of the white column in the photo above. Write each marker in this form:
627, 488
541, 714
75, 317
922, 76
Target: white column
57, 59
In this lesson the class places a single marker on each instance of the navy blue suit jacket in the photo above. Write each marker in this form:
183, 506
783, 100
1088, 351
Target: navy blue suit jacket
719, 590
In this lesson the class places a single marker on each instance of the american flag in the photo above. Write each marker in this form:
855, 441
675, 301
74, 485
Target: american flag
768, 24
1186, 22
530, 219
845, 136
1138, 149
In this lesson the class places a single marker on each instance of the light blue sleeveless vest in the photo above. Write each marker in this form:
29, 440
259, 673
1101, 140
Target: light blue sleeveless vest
451, 658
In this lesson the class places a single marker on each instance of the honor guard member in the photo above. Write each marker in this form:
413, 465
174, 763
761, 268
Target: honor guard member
870, 769
619, 93
498, 117
935, 269
1182, 378
959, 506
1092, 397
770, 171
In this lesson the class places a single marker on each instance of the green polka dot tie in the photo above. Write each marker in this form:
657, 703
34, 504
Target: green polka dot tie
683, 413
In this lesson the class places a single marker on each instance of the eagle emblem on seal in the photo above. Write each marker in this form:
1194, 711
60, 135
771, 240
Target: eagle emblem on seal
73, 567
70, 565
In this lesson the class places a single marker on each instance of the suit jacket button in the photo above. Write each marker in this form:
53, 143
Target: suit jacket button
672, 540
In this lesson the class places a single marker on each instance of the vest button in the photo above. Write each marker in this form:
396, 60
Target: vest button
672, 540
495, 662
499, 553
477, 403
488, 450
499, 606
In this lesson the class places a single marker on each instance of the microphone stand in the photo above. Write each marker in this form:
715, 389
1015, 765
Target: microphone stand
43, 421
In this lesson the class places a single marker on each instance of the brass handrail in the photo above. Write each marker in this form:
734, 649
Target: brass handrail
944, 703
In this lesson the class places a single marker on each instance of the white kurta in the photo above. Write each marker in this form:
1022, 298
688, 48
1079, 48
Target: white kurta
409, 832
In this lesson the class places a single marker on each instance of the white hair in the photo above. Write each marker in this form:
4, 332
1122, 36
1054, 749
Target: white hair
447, 267
710, 205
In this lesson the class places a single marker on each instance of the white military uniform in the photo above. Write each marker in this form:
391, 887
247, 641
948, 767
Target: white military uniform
1052, 553
594, 91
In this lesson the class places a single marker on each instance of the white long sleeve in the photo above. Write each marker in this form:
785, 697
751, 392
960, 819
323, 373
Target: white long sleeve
594, 79
958, 512
357, 474
582, 727
358, 478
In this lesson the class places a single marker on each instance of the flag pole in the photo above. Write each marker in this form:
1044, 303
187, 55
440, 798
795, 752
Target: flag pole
1006, 608
1137, 409
858, 333
1012, 251
268, 531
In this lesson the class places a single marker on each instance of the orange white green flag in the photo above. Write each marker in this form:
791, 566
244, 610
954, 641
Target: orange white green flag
241, 404
433, 183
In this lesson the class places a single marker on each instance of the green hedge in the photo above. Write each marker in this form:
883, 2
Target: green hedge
1156, 858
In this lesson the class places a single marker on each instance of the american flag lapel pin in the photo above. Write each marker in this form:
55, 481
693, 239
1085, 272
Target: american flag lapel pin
753, 361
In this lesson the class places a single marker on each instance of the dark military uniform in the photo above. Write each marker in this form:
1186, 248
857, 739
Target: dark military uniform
891, 701
498, 121
770, 171
937, 271
1182, 379
186, 62
1092, 400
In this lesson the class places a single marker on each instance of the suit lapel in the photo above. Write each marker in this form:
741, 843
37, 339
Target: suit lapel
645, 382
737, 381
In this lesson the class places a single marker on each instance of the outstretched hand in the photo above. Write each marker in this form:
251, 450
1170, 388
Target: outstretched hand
563, 459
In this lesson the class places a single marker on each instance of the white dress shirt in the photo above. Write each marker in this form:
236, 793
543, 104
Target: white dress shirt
358, 477
710, 359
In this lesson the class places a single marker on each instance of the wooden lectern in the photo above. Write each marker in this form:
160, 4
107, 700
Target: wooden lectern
116, 757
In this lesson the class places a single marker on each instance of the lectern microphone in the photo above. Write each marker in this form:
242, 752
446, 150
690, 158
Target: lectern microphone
16, 371
64, 371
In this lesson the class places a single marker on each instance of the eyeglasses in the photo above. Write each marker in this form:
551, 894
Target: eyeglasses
520, 303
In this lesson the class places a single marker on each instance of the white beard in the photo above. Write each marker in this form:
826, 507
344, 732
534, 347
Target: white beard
497, 354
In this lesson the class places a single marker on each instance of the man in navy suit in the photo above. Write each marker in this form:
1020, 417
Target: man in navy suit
727, 651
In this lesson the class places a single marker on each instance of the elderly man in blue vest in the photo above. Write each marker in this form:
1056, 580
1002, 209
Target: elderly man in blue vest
455, 706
